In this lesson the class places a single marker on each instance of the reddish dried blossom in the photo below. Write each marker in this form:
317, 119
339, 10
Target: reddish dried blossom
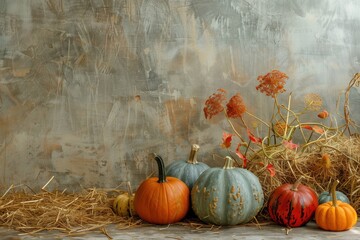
227, 138
235, 107
272, 83
214, 104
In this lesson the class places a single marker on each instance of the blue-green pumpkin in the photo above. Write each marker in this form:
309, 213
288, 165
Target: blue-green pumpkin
227, 196
187, 171
327, 197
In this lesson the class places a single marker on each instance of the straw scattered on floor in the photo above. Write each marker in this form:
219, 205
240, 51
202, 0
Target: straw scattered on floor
72, 214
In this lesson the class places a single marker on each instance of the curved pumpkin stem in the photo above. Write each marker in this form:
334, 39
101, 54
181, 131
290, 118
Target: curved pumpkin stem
333, 192
296, 184
192, 157
161, 167
229, 163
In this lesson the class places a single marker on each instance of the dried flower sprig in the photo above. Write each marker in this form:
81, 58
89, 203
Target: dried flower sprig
282, 126
214, 104
313, 101
272, 83
292, 147
235, 108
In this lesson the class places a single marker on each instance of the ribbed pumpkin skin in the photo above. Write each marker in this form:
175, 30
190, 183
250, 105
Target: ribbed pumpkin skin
227, 196
292, 208
186, 172
326, 197
339, 218
123, 205
162, 203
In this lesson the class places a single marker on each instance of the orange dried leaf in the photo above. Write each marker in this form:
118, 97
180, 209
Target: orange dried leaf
227, 138
241, 156
253, 138
323, 114
290, 144
308, 127
314, 128
271, 169
318, 129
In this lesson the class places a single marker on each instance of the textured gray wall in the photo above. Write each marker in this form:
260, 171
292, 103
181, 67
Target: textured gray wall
89, 88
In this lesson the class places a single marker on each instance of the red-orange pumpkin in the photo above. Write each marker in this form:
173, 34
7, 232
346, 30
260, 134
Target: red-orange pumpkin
162, 200
292, 205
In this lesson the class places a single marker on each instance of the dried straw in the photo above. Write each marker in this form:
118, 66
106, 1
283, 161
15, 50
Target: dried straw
72, 214
343, 164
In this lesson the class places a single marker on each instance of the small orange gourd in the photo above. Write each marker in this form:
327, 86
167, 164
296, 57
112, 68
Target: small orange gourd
335, 215
162, 200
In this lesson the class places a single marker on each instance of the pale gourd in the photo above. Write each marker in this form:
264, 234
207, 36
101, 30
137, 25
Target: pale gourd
123, 204
189, 170
227, 196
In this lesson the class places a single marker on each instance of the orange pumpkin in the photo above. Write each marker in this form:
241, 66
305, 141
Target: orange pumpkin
335, 215
162, 200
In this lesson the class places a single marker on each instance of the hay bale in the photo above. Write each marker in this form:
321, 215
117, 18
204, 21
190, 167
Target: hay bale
320, 163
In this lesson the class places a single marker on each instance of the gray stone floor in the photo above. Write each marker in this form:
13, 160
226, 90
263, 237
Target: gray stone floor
309, 232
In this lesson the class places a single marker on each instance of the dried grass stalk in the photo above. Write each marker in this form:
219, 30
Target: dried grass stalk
72, 214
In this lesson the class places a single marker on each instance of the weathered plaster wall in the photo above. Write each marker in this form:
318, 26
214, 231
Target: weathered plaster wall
88, 88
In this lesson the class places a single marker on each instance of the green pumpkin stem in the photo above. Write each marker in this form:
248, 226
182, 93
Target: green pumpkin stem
161, 167
333, 192
192, 157
229, 163
296, 184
